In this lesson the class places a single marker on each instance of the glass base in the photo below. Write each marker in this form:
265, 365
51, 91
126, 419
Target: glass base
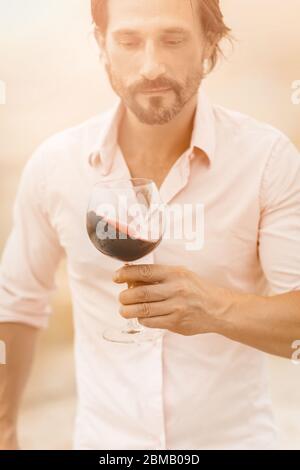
132, 336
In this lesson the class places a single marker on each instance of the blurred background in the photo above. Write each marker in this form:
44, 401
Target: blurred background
50, 65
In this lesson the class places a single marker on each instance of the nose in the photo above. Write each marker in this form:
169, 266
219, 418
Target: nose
152, 67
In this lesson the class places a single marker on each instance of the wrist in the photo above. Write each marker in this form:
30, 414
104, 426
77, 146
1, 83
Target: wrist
230, 310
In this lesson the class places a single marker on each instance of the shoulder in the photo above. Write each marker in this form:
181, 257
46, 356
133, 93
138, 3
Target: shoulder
245, 127
77, 139
62, 153
251, 136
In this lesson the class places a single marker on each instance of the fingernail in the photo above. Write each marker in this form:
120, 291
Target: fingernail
116, 276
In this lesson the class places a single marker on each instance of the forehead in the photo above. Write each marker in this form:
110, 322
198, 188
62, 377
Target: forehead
152, 14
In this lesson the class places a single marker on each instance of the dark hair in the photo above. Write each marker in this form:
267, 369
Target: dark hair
211, 17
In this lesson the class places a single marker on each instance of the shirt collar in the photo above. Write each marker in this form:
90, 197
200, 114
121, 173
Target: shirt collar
203, 137
204, 132
103, 152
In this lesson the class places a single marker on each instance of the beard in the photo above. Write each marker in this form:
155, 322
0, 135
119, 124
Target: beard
155, 110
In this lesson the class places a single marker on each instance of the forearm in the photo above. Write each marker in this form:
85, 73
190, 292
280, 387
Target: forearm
19, 341
270, 324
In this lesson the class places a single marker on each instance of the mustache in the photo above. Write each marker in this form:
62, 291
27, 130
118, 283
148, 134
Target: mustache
160, 82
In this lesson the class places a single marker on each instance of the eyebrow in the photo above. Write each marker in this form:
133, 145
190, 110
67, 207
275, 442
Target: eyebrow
127, 31
176, 31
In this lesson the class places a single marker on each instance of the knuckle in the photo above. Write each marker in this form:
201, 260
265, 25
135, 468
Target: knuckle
177, 309
179, 271
183, 289
145, 294
146, 272
146, 309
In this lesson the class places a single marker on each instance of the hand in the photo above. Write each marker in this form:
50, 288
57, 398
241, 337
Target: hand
172, 298
8, 440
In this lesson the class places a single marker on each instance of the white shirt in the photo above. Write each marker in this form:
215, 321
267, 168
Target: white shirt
196, 392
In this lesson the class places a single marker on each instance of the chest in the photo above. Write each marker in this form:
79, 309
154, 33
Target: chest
210, 231
144, 168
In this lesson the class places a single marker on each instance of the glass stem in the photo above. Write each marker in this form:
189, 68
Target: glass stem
133, 326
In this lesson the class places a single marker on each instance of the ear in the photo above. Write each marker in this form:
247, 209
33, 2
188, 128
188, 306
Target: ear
101, 44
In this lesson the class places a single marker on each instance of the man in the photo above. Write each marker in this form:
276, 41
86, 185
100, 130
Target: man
203, 384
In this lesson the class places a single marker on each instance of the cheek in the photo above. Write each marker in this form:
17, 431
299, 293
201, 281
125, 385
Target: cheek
125, 66
184, 63
194, 60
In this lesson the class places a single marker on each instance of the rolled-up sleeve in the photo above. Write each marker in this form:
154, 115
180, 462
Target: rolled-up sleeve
279, 234
32, 252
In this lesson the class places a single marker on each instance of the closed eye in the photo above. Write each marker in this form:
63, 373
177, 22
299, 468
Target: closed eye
129, 42
174, 39
173, 42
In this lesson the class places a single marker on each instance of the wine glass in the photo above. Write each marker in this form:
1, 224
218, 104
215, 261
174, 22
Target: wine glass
125, 220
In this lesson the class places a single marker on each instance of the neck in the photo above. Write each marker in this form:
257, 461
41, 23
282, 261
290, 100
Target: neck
168, 141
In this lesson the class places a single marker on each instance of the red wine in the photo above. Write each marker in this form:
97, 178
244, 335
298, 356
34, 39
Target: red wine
115, 239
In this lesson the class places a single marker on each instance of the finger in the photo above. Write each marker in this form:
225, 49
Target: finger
146, 310
162, 322
148, 273
146, 293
